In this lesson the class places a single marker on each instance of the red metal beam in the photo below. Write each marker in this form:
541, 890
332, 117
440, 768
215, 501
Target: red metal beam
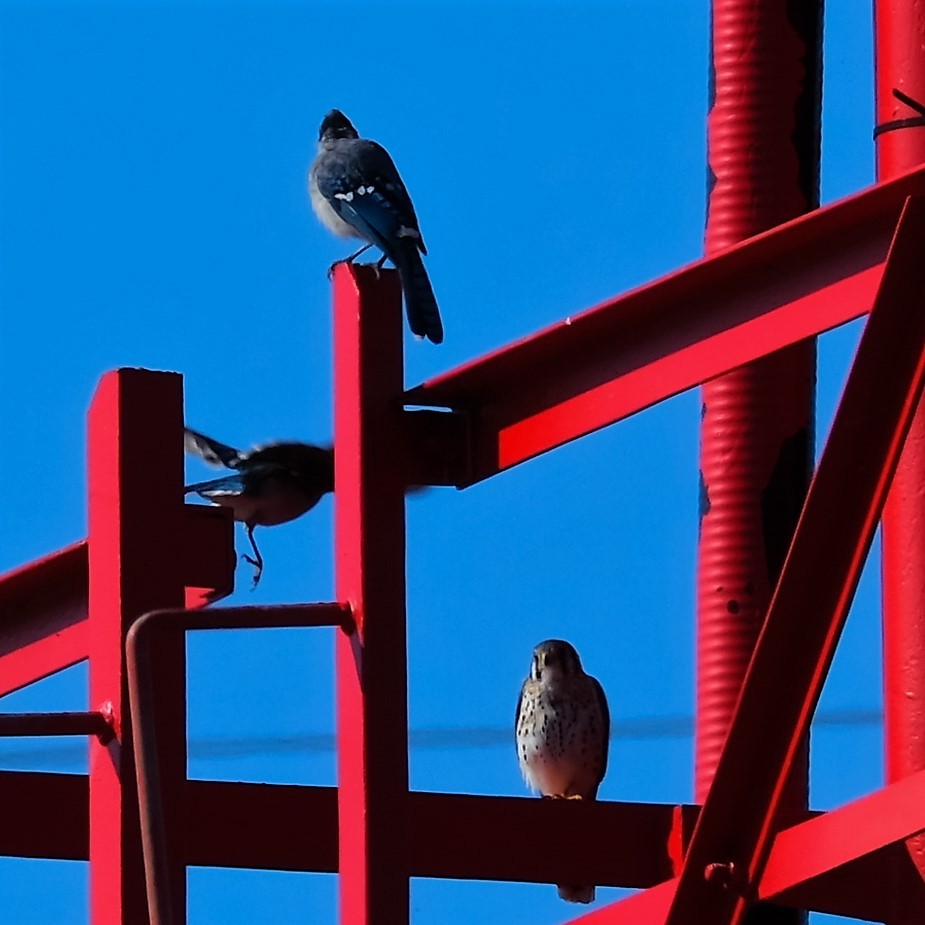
899, 33
136, 522
811, 601
208, 557
864, 840
372, 696
56, 724
44, 611
607, 363
43, 627
44, 815
848, 861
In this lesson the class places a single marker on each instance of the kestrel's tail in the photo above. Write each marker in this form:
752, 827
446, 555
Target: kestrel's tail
576, 894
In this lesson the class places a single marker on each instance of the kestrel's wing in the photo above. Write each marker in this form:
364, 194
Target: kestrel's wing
605, 718
520, 701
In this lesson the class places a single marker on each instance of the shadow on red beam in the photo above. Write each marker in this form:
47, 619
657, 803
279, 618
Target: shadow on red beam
295, 828
607, 363
261, 826
43, 617
850, 861
44, 815
481, 838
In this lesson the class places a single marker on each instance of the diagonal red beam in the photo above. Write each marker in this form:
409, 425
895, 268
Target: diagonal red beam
44, 611
835, 839
609, 362
812, 598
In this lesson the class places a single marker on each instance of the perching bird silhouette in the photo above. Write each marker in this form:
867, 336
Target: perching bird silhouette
271, 484
562, 730
356, 191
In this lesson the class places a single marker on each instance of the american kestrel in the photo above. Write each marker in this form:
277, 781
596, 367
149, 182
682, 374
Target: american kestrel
562, 732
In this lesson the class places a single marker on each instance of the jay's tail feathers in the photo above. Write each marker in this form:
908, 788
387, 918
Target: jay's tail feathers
420, 303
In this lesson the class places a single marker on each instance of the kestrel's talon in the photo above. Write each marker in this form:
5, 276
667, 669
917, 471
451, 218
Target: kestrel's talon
574, 796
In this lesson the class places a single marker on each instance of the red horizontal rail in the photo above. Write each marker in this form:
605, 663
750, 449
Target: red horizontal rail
833, 862
56, 724
799, 279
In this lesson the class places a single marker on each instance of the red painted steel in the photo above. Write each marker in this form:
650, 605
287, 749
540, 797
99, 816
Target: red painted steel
611, 361
757, 422
44, 604
44, 816
142, 639
136, 519
815, 589
372, 698
56, 724
43, 626
806, 853
900, 63
844, 861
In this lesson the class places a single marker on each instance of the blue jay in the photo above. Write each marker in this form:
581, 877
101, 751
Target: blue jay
356, 192
271, 484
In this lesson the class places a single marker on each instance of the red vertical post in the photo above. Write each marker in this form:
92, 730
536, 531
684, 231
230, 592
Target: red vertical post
757, 428
900, 64
372, 698
135, 465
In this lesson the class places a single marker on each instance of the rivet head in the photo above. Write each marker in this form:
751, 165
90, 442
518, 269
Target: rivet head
720, 873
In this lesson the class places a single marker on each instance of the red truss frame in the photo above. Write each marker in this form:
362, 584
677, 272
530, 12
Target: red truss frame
129, 594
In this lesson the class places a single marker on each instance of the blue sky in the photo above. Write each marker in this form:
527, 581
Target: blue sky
153, 213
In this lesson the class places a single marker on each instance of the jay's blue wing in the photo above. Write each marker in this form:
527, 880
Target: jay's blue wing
362, 185
227, 485
211, 451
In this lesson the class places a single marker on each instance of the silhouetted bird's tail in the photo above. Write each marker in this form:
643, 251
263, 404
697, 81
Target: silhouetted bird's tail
420, 303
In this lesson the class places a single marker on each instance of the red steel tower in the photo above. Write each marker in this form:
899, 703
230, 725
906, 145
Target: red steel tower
125, 598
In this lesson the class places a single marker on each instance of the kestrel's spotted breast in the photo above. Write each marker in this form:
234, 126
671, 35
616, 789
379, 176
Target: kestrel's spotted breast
562, 732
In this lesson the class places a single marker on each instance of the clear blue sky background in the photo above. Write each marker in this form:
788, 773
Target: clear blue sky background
152, 213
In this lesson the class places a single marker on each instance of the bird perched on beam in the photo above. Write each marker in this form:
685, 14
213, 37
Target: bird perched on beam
562, 731
271, 484
356, 191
